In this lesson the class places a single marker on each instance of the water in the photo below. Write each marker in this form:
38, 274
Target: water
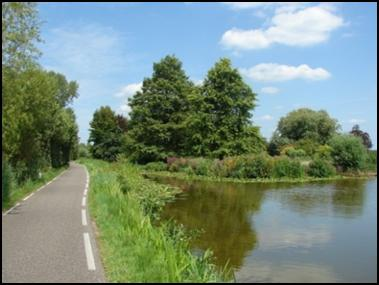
314, 232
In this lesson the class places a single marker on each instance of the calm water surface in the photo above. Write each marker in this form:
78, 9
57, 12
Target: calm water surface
315, 232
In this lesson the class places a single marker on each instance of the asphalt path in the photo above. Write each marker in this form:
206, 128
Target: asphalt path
48, 237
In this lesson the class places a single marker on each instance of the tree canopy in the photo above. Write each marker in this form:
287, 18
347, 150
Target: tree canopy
305, 123
363, 135
107, 134
39, 128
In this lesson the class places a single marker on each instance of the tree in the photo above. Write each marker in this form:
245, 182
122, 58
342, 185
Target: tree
305, 123
348, 152
363, 135
156, 128
39, 130
219, 124
20, 32
106, 136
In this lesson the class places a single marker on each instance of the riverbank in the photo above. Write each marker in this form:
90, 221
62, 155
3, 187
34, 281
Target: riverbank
193, 177
124, 207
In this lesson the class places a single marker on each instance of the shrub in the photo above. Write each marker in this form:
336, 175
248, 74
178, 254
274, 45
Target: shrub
177, 164
259, 166
321, 168
323, 152
201, 166
156, 166
285, 167
219, 168
348, 152
292, 152
6, 175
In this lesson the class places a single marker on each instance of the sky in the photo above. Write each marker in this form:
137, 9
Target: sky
293, 55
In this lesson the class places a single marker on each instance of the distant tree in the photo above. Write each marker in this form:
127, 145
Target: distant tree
363, 135
348, 152
307, 124
106, 137
155, 129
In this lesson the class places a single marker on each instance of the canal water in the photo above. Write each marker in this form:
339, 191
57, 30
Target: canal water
314, 232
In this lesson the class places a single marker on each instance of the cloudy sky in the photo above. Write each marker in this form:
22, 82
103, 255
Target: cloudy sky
322, 56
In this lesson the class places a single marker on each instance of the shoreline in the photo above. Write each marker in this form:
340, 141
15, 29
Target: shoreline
184, 176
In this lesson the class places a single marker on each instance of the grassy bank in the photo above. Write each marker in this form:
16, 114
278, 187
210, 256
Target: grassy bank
18, 192
191, 177
125, 206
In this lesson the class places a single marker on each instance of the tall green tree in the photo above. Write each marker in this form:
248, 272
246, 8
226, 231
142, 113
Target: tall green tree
38, 128
106, 134
20, 32
156, 128
220, 122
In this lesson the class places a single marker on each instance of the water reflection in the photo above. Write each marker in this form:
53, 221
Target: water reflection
223, 213
283, 232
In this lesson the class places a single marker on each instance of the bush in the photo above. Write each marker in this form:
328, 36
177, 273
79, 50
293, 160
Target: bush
259, 166
6, 175
156, 166
176, 164
201, 166
321, 168
292, 152
323, 152
348, 152
285, 167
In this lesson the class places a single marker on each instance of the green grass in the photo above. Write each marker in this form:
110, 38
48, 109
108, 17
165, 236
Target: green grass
191, 177
18, 192
133, 247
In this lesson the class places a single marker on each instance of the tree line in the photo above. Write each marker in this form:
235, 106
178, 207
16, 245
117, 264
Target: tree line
38, 125
173, 117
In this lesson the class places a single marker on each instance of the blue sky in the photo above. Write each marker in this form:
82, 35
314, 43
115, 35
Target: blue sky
321, 56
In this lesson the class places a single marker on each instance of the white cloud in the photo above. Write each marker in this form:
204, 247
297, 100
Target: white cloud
270, 90
277, 72
356, 121
289, 26
266, 118
247, 5
129, 90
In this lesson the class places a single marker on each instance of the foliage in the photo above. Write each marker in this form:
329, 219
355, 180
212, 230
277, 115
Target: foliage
156, 166
83, 151
258, 166
173, 117
20, 32
106, 134
307, 124
348, 152
323, 152
38, 129
285, 167
321, 168
219, 122
293, 152
277, 143
158, 111
133, 246
6, 178
308, 145
363, 135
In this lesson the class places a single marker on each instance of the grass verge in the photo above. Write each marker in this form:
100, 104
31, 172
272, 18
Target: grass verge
19, 192
133, 247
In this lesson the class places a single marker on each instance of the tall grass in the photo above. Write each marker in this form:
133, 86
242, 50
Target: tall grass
133, 248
